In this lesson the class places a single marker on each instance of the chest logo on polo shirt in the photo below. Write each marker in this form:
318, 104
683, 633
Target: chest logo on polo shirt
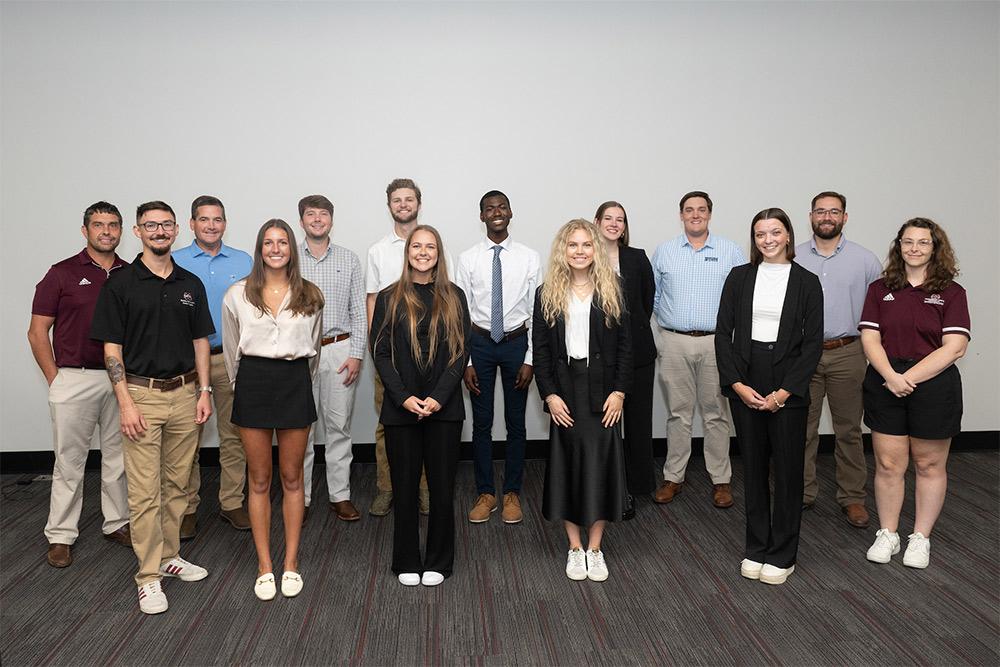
711, 259
84, 281
889, 297
934, 300
187, 299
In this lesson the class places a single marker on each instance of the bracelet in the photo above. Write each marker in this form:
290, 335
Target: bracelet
619, 394
774, 398
548, 397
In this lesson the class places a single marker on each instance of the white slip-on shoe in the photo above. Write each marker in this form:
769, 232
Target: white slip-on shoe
770, 574
291, 584
886, 546
431, 578
409, 578
750, 568
264, 588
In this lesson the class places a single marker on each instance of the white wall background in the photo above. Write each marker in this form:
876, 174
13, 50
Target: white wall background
561, 105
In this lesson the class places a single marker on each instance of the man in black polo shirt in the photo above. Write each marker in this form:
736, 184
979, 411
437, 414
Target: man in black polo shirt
154, 321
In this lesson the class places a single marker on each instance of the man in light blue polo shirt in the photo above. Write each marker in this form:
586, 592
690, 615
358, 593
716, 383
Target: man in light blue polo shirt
690, 271
218, 266
845, 270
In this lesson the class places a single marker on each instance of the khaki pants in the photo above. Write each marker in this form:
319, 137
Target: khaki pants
335, 405
383, 482
80, 401
232, 457
158, 467
691, 379
838, 377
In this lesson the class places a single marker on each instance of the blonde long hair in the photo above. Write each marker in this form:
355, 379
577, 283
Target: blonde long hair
556, 289
404, 307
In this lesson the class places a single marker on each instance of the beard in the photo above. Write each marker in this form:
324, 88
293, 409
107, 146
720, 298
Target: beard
160, 252
827, 235
410, 217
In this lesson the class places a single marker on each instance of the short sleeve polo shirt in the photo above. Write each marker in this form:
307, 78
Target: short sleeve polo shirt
154, 319
69, 292
913, 321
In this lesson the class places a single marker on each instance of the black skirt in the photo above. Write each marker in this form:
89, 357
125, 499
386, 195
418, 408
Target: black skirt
585, 475
273, 393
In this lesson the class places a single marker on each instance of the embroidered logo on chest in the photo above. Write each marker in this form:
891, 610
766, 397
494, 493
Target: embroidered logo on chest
711, 259
187, 299
889, 297
84, 281
934, 300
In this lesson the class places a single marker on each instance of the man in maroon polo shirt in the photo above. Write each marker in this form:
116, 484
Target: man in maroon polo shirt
80, 396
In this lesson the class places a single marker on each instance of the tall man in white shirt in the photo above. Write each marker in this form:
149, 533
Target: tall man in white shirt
845, 270
337, 272
499, 277
689, 272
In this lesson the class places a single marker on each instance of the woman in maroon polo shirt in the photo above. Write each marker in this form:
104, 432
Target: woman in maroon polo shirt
914, 327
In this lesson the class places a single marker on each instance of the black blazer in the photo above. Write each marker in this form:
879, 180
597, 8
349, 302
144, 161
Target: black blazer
402, 377
639, 288
610, 367
800, 332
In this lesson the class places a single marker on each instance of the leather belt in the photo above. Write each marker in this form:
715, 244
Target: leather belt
509, 335
695, 334
163, 385
336, 339
834, 343
216, 350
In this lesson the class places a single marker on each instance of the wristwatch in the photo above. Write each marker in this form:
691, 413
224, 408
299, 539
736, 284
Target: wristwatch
201, 389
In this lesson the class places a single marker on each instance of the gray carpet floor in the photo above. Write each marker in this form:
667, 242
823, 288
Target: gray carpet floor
675, 595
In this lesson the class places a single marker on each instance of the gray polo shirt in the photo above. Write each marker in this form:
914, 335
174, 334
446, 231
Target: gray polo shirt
845, 276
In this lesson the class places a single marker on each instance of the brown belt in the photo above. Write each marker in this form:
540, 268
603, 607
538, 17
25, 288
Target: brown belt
696, 334
163, 385
834, 343
336, 339
509, 335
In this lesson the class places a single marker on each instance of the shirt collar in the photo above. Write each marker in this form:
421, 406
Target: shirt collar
305, 251
708, 242
505, 244
177, 273
840, 245
197, 250
85, 258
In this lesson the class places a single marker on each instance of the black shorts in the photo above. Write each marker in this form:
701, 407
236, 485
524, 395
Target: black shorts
932, 412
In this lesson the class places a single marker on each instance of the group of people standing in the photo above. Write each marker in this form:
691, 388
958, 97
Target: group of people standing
274, 343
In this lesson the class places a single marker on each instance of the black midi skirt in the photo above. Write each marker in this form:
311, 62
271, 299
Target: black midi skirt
273, 393
585, 474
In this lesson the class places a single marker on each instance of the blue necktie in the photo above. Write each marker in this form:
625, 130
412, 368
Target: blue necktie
496, 309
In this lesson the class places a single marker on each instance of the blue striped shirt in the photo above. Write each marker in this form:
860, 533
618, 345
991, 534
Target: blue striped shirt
689, 282
217, 272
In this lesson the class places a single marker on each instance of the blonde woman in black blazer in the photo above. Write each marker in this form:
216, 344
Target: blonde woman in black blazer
768, 342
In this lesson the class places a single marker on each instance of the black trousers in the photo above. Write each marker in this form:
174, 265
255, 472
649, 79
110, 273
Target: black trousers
433, 446
638, 422
770, 442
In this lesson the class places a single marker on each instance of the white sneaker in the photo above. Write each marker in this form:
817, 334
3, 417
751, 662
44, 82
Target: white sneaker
431, 578
183, 570
769, 574
409, 578
918, 551
152, 599
576, 565
597, 569
264, 588
291, 584
885, 547
750, 568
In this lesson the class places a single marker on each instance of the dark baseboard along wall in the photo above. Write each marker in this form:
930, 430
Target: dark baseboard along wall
40, 462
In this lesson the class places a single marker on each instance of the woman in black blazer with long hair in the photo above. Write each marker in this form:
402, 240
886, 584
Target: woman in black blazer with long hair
420, 344
768, 342
583, 368
633, 266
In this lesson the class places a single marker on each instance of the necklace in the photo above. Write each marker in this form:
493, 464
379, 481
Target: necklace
276, 290
581, 284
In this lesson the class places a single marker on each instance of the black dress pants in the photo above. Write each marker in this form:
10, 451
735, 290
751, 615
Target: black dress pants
638, 422
433, 446
771, 442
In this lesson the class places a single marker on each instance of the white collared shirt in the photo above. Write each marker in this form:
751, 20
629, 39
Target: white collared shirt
385, 263
578, 327
520, 266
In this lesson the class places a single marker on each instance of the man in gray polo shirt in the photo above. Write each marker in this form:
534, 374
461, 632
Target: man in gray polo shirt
845, 270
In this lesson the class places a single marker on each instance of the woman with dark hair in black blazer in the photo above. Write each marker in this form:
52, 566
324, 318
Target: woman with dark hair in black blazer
768, 342
636, 273
583, 367
420, 343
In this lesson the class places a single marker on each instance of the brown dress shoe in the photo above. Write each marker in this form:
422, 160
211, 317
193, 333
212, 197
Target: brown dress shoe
486, 503
237, 518
511, 508
59, 555
122, 536
857, 515
667, 491
189, 526
345, 510
722, 496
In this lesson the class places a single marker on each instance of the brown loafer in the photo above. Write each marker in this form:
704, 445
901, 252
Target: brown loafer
857, 515
189, 527
345, 510
59, 555
722, 496
667, 491
122, 536
237, 518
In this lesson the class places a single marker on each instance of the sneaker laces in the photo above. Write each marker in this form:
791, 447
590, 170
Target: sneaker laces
883, 539
577, 558
153, 587
918, 542
598, 558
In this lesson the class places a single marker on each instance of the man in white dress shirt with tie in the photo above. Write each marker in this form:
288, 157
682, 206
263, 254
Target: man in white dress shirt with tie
499, 277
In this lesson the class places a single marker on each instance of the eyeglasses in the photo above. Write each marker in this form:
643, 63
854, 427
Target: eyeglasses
150, 226
823, 212
923, 244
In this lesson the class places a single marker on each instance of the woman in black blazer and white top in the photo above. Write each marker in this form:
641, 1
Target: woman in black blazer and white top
768, 342
420, 344
583, 368
637, 283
